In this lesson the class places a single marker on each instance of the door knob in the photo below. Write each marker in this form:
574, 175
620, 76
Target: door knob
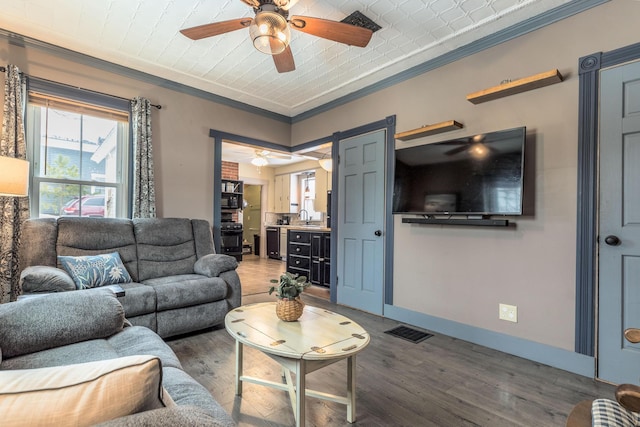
612, 240
378, 233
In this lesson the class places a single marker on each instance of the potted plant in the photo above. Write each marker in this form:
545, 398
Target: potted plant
289, 305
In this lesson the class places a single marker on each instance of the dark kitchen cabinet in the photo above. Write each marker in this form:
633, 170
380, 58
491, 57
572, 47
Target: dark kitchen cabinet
310, 256
273, 242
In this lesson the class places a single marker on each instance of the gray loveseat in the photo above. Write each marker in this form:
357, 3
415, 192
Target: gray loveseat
178, 284
71, 328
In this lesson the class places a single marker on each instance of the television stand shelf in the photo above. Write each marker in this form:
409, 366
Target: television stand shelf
458, 221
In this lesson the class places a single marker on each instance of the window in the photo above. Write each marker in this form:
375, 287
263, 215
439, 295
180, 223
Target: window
307, 186
79, 149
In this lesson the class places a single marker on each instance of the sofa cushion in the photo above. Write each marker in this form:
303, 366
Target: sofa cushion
138, 299
140, 340
184, 390
169, 417
58, 319
186, 290
93, 271
42, 278
166, 247
82, 394
95, 236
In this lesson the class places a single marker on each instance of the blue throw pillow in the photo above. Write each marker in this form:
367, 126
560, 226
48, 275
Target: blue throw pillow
94, 271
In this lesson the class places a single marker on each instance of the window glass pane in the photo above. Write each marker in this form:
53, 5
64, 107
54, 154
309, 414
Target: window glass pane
99, 147
97, 202
55, 197
59, 144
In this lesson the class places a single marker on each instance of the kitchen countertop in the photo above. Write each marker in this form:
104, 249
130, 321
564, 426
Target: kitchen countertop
302, 227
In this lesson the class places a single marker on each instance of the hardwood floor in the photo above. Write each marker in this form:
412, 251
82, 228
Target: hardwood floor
441, 381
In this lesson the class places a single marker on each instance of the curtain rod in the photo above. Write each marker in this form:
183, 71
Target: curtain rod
158, 106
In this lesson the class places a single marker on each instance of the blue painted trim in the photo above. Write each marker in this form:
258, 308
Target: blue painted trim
80, 58
217, 191
389, 228
335, 155
232, 137
541, 353
554, 15
65, 91
587, 206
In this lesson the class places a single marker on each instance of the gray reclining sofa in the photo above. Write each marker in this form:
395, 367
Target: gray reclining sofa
178, 284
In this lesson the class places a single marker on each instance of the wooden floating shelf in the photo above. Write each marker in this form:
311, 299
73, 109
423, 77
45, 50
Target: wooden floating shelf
516, 86
429, 130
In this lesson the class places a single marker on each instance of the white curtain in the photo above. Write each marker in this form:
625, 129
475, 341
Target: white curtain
144, 193
14, 211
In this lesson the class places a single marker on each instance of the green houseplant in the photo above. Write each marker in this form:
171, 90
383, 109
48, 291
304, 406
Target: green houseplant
288, 289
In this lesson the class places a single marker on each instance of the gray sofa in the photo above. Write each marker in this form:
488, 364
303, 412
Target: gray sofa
178, 284
77, 327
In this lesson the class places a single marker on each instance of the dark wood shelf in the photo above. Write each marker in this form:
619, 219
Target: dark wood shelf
458, 221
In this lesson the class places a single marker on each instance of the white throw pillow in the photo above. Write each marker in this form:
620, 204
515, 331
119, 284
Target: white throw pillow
82, 394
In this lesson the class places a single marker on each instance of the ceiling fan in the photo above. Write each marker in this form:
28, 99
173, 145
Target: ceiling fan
261, 156
474, 146
270, 33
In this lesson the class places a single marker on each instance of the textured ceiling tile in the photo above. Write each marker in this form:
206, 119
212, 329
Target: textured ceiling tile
145, 35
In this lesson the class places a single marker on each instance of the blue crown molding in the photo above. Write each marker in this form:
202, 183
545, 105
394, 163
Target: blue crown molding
554, 15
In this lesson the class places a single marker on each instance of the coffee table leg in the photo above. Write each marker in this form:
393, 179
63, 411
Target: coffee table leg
239, 349
300, 392
351, 389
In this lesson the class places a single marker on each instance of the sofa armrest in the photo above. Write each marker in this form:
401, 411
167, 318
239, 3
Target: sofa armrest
213, 265
42, 278
58, 319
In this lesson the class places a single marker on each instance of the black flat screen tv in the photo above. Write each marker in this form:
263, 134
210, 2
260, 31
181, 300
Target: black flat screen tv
476, 175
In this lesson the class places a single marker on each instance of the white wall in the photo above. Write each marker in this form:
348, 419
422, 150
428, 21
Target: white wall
463, 273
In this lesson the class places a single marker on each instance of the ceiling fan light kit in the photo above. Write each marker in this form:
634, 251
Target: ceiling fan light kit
269, 32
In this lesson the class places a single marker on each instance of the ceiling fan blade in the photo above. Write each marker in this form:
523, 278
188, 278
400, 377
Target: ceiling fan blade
332, 30
457, 150
284, 61
216, 28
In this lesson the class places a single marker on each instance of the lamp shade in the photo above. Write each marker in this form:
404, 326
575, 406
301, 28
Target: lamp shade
14, 177
326, 164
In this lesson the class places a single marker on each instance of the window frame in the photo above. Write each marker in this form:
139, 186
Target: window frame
124, 165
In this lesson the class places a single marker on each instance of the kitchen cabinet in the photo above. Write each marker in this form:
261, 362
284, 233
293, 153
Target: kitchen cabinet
320, 271
322, 186
283, 193
309, 255
273, 242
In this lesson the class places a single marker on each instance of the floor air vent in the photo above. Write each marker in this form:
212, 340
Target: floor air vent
409, 334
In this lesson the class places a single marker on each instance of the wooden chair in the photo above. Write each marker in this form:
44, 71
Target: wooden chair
627, 396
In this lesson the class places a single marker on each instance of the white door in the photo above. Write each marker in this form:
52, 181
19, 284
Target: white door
619, 228
361, 211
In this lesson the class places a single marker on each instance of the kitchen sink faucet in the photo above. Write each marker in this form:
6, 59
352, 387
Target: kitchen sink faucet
307, 215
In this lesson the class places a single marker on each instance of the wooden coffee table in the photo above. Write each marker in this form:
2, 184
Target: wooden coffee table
318, 339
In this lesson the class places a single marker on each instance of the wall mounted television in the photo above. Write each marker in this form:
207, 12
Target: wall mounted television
480, 175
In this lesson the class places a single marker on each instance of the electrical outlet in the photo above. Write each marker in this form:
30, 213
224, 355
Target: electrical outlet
508, 312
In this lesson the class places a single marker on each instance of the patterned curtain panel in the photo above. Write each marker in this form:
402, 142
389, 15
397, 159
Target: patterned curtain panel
14, 211
144, 192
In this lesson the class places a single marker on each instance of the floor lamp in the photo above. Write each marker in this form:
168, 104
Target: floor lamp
14, 177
